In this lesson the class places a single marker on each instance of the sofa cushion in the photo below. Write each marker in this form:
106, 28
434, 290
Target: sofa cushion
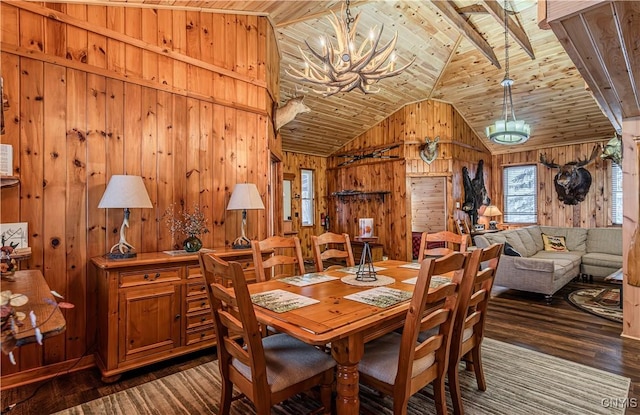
575, 238
508, 250
536, 235
554, 243
605, 240
573, 257
602, 260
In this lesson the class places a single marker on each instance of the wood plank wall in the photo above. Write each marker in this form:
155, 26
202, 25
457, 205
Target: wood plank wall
458, 147
594, 211
292, 164
178, 97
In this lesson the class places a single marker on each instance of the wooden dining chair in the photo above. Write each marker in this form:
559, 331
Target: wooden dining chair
331, 245
452, 241
398, 364
266, 370
277, 256
468, 330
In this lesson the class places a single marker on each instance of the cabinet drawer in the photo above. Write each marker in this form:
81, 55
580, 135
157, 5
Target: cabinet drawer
151, 276
196, 288
197, 336
196, 304
201, 319
193, 271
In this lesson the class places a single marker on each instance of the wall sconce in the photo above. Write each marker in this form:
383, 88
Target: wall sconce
245, 196
124, 192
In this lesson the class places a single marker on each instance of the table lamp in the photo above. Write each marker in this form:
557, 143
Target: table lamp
245, 196
491, 211
124, 192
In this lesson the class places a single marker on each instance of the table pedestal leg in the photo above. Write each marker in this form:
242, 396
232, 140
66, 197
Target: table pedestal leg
347, 353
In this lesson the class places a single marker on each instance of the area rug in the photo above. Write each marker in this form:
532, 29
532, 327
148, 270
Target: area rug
519, 381
603, 302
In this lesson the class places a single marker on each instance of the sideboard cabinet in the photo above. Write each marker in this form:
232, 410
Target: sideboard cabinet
153, 307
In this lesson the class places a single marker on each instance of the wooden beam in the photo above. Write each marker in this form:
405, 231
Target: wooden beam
515, 30
111, 34
449, 12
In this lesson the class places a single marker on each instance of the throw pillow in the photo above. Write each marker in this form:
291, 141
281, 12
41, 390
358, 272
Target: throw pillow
554, 243
510, 251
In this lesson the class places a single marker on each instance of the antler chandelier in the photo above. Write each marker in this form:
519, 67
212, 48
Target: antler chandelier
508, 130
344, 68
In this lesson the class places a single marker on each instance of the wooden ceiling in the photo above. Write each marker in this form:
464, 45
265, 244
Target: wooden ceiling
549, 93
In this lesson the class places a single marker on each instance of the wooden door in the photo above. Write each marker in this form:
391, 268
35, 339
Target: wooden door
150, 320
428, 204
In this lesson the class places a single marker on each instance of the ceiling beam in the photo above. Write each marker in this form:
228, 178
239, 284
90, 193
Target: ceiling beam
515, 30
449, 12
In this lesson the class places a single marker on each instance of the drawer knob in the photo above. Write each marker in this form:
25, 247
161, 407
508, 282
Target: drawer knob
157, 275
178, 316
146, 276
204, 303
203, 319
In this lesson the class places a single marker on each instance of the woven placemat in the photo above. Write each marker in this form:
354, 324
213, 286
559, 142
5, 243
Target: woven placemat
380, 281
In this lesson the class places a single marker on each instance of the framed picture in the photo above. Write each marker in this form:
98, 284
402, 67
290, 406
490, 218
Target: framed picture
478, 227
15, 235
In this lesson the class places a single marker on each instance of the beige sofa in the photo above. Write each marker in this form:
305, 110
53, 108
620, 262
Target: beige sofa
590, 251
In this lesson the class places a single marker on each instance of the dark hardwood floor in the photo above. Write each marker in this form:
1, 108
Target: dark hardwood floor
526, 320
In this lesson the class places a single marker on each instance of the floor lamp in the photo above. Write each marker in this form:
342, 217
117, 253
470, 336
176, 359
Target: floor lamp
124, 192
245, 196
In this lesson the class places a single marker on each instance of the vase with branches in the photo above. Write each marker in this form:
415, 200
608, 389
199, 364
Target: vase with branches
188, 224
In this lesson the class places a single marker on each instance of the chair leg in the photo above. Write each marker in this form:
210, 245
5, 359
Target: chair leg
454, 388
477, 367
225, 397
439, 396
325, 391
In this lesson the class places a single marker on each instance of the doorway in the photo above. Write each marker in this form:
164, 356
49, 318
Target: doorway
428, 204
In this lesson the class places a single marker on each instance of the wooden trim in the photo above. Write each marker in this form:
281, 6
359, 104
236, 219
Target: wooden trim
56, 60
524, 163
516, 31
41, 373
449, 12
112, 34
429, 174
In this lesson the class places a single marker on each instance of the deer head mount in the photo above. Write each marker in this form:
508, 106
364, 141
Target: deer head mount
287, 112
572, 181
613, 150
429, 150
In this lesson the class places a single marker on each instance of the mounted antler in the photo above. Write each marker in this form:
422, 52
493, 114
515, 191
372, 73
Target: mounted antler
594, 155
550, 164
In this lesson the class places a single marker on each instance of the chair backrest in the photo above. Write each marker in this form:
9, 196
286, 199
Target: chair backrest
285, 258
337, 246
474, 298
233, 316
414, 362
453, 242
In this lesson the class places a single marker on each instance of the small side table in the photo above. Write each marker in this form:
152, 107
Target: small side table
366, 271
616, 277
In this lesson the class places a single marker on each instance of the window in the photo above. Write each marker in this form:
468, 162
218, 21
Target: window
616, 194
308, 208
520, 194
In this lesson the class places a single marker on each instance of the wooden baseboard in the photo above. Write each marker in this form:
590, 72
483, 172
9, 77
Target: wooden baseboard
45, 372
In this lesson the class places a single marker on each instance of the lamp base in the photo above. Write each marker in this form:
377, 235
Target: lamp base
119, 255
241, 242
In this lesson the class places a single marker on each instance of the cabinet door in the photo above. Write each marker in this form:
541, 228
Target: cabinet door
150, 320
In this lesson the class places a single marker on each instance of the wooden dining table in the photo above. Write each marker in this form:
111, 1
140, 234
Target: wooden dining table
345, 323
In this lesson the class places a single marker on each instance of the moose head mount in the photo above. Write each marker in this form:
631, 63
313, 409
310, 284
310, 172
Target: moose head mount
572, 181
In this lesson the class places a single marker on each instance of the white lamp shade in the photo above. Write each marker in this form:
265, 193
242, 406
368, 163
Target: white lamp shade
492, 210
245, 196
125, 191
